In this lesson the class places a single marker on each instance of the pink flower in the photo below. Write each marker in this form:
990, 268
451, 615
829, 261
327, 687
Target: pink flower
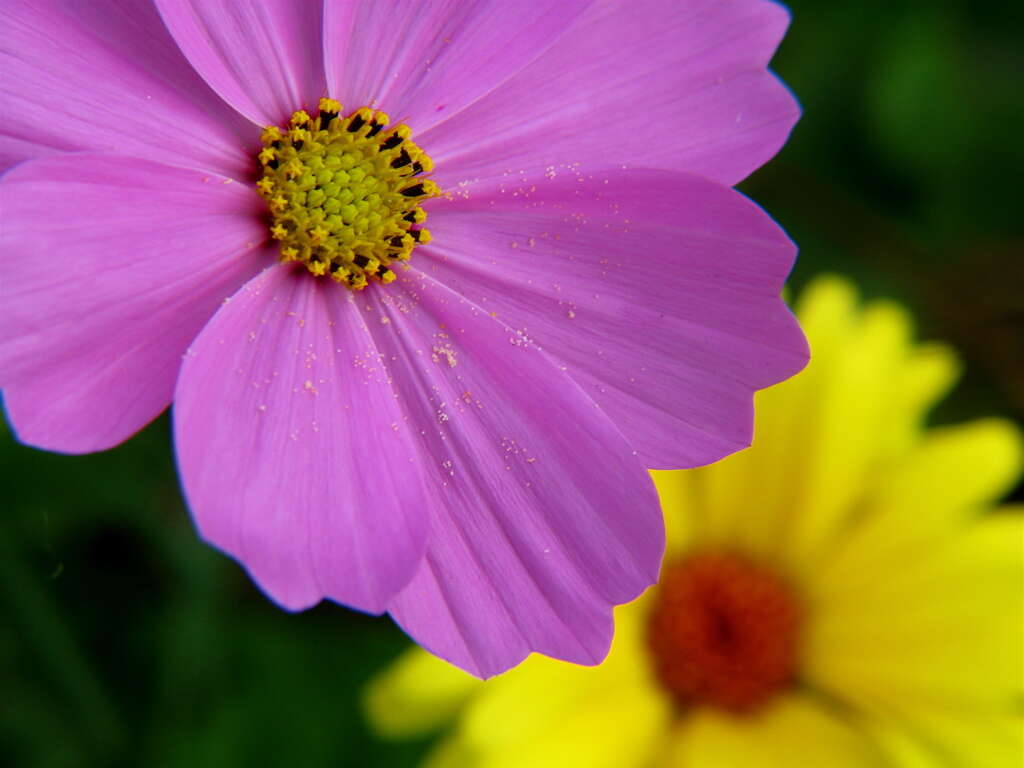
464, 447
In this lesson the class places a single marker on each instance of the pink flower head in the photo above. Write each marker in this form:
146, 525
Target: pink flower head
463, 443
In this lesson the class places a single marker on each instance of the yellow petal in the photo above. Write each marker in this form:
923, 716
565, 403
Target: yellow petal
724, 494
519, 706
525, 702
821, 435
929, 738
853, 410
795, 731
615, 728
977, 738
416, 694
944, 630
950, 476
551, 713
928, 373
675, 491
900, 747
953, 471
452, 752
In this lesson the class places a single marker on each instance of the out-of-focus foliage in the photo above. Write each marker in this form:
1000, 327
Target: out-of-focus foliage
905, 171
124, 641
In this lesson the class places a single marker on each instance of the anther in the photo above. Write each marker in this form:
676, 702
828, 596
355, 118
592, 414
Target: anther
329, 109
359, 119
402, 160
400, 134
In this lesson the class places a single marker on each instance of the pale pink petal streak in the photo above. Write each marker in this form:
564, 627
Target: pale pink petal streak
292, 451
422, 62
655, 83
262, 56
658, 291
105, 75
111, 265
543, 518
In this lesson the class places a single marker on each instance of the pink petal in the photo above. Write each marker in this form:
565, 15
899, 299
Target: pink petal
659, 291
542, 516
105, 75
13, 151
262, 56
110, 266
656, 83
422, 62
292, 449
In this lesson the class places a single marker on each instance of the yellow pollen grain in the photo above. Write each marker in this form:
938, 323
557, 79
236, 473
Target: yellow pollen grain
344, 193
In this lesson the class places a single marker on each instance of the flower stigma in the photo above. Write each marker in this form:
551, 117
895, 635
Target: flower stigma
723, 632
343, 193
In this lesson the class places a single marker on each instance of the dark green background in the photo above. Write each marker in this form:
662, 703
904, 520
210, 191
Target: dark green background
124, 641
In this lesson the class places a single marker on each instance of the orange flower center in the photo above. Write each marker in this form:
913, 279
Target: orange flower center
723, 632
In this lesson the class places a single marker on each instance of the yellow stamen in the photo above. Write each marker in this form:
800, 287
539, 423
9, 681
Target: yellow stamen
329, 105
344, 193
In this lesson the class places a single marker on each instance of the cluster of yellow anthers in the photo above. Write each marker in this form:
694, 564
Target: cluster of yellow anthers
343, 192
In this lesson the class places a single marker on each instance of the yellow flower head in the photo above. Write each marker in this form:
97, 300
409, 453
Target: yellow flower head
838, 595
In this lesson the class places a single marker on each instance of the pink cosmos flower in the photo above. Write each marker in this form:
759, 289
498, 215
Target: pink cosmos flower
463, 443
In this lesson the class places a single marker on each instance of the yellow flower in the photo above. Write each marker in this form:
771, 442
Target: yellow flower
838, 595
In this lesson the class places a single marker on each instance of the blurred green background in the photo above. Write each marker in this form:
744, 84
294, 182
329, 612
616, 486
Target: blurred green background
124, 641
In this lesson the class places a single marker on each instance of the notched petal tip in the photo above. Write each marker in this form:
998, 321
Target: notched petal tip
659, 293
89, 357
544, 518
293, 459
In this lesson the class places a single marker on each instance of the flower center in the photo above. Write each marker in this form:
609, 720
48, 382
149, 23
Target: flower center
342, 192
723, 632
